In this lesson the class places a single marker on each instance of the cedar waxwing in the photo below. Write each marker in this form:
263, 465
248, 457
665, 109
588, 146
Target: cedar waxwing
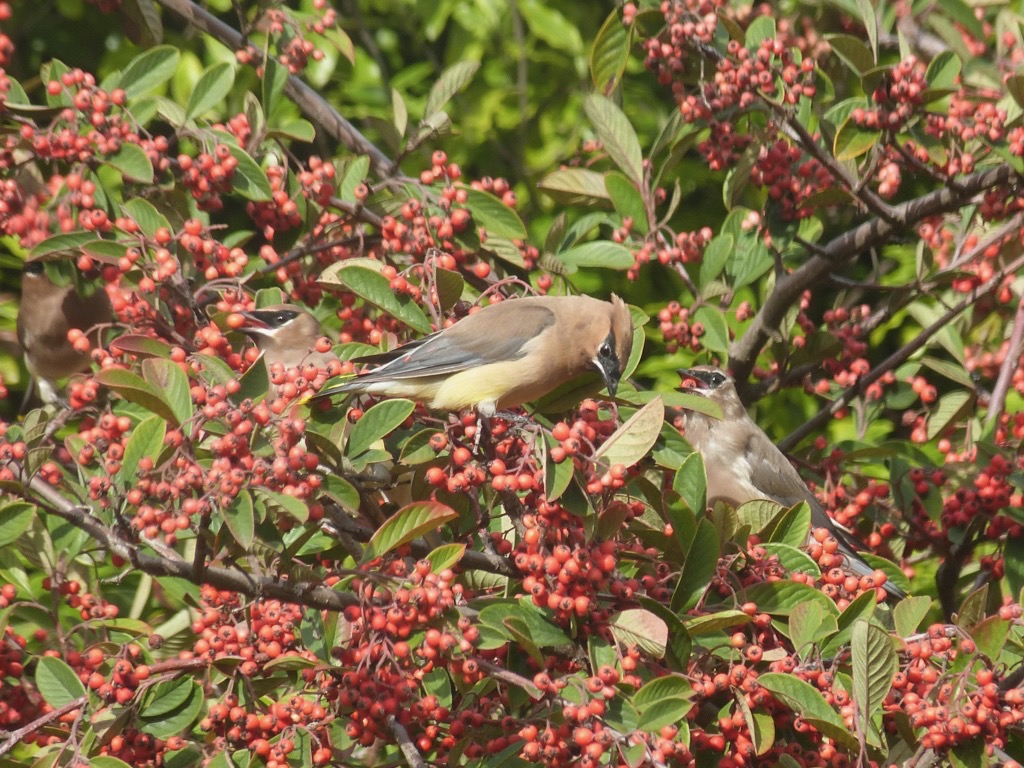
505, 354
742, 463
286, 334
46, 313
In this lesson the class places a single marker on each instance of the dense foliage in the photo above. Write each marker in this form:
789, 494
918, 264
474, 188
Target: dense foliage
202, 563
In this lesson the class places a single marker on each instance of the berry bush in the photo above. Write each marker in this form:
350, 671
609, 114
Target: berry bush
203, 563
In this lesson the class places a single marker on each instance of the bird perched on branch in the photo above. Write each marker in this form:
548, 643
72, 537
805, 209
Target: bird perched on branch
286, 334
505, 354
742, 463
46, 313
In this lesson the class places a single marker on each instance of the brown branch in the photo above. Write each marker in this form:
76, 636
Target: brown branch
412, 756
844, 248
312, 104
14, 737
301, 593
898, 357
1007, 369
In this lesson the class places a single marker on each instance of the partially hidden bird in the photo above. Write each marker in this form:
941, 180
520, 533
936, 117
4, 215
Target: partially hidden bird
742, 463
286, 334
505, 354
46, 313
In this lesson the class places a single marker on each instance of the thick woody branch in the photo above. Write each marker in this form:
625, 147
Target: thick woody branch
845, 248
308, 100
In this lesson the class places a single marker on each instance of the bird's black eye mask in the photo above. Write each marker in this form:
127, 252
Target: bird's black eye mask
274, 318
703, 380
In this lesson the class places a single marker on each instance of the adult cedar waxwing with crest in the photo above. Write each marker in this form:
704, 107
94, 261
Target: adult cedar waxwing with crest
46, 313
505, 354
288, 335
742, 463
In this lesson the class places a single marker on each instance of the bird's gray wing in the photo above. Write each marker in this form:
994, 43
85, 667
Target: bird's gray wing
476, 340
771, 472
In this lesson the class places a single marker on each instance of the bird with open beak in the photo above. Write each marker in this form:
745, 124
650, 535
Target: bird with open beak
742, 463
287, 335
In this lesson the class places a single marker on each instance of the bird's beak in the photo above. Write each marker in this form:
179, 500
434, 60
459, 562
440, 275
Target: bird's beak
255, 326
611, 379
694, 381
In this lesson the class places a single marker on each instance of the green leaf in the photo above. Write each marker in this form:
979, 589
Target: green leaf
135, 389
716, 256
164, 697
57, 682
172, 382
146, 441
617, 136
494, 216
779, 598
211, 88
178, 720
716, 331
599, 253
370, 285
632, 441
943, 71
380, 420
60, 244
451, 81
807, 702
609, 54
550, 25
149, 70
291, 506
808, 623
249, 180
445, 556
761, 28
145, 214
690, 483
241, 520
407, 524
972, 610
853, 52
951, 409
449, 286
132, 161
663, 701
642, 628
556, 476
715, 622
698, 569
791, 527
874, 664
576, 186
628, 201
141, 22
870, 18
909, 613
15, 518
852, 141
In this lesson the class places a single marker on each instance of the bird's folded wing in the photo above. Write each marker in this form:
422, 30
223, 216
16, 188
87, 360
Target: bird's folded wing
465, 345
771, 472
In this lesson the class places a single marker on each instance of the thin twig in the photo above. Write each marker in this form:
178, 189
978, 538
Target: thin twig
897, 358
842, 249
1007, 369
312, 104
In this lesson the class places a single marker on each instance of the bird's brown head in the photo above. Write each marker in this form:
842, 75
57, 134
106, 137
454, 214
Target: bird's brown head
716, 385
285, 324
613, 349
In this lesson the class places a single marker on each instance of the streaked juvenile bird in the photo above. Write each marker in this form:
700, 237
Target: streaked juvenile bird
286, 334
742, 463
505, 354
46, 313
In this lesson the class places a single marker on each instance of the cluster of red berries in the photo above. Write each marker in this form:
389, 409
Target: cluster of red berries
790, 177
677, 330
208, 176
